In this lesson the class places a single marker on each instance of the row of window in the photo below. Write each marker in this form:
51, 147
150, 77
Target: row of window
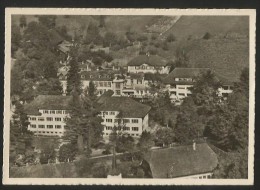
124, 120
55, 112
47, 119
50, 132
129, 134
48, 126
205, 177
124, 128
102, 84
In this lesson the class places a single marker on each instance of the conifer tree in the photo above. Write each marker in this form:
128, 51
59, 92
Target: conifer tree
73, 76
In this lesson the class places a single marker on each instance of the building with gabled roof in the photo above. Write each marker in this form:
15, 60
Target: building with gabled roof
148, 64
195, 161
47, 114
181, 80
129, 115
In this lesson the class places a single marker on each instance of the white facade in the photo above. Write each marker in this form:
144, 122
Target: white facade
131, 126
145, 68
49, 123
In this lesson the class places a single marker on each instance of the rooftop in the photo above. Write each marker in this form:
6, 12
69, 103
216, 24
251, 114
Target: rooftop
127, 106
182, 161
50, 102
183, 73
153, 60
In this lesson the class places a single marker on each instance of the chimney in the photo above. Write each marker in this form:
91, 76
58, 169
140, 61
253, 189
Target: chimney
194, 145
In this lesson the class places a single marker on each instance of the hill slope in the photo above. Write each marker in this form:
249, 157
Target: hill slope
197, 26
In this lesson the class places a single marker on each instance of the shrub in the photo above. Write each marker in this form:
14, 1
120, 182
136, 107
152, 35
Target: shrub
171, 38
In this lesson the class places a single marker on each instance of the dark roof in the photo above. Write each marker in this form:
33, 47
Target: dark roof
106, 95
50, 102
182, 160
183, 73
127, 106
136, 75
153, 60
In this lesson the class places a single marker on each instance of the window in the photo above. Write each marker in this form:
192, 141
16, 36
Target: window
33, 118
181, 87
52, 111
112, 113
204, 177
57, 126
46, 111
49, 126
105, 113
33, 126
101, 84
40, 118
49, 119
118, 92
105, 84
109, 128
126, 128
137, 135
109, 84
181, 94
134, 120
126, 120
109, 120
116, 120
57, 119
41, 126
134, 128
117, 85
58, 112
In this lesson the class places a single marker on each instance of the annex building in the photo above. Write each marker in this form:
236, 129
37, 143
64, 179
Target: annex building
47, 115
181, 80
148, 64
196, 161
130, 116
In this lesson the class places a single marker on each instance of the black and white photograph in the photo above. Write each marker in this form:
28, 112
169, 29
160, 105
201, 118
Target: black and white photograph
129, 96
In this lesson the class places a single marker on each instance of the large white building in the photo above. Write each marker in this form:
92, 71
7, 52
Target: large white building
180, 81
129, 115
148, 64
47, 115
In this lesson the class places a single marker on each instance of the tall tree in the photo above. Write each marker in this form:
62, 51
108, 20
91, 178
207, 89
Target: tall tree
188, 126
73, 76
84, 124
20, 137
16, 38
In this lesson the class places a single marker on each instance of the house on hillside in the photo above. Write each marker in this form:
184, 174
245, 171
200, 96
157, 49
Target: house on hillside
195, 161
130, 116
136, 86
47, 115
180, 81
148, 64
99, 48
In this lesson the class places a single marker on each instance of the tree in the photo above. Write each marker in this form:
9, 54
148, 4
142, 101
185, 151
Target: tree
50, 86
164, 136
228, 127
84, 124
16, 38
23, 21
204, 91
188, 125
48, 154
67, 152
125, 144
73, 76
20, 137
110, 39
145, 141
48, 20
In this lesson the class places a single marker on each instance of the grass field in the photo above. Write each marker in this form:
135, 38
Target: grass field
197, 26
